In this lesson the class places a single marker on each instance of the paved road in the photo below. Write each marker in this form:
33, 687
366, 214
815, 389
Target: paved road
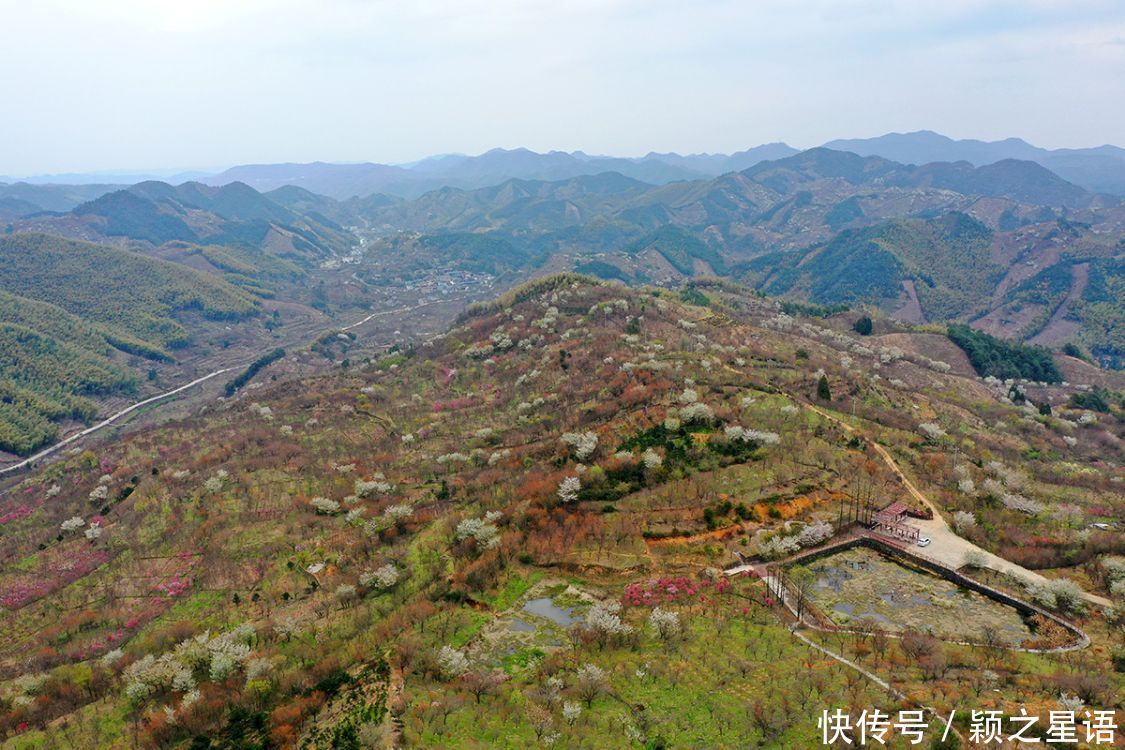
106, 422
945, 546
130, 409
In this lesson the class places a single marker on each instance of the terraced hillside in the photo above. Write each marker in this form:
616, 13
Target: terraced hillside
513, 534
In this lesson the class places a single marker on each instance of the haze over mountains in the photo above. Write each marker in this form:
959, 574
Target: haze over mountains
1100, 169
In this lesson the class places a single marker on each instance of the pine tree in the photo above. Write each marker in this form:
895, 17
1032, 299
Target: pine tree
822, 391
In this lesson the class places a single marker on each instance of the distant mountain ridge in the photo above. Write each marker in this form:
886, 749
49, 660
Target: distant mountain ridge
234, 214
1099, 170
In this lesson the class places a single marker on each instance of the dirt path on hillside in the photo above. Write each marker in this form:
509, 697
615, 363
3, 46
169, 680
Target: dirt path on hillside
945, 546
1059, 329
910, 311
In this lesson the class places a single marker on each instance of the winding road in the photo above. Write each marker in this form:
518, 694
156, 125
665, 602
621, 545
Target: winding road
153, 399
106, 422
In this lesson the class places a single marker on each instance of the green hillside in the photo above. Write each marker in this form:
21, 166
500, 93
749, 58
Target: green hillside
680, 248
123, 290
69, 310
946, 257
43, 379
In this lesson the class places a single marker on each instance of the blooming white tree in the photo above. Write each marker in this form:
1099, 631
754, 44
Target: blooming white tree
367, 488
568, 489
571, 711
1017, 502
931, 430
975, 559
651, 459
697, 413
666, 623
453, 663
183, 681
604, 619
325, 507
216, 482
397, 513
222, 666
381, 578
814, 534
591, 682
1068, 594
736, 433
778, 547
582, 443
482, 531
963, 521
73, 524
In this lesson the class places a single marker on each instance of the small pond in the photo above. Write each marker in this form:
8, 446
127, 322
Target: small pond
544, 607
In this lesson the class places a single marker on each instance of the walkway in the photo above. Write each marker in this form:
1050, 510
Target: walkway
945, 546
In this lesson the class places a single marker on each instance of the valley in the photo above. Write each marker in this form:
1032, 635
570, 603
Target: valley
562, 376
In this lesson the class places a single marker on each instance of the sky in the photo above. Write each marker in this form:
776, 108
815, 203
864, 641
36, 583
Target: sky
146, 84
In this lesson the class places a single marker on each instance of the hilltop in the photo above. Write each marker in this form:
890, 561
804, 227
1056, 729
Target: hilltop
392, 552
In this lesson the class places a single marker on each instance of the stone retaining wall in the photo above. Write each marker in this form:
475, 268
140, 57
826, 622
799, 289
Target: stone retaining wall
888, 547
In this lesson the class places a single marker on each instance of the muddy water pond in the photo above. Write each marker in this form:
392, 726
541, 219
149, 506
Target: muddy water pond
545, 607
861, 584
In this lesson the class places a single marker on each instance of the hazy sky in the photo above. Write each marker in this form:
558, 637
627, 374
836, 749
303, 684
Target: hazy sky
104, 84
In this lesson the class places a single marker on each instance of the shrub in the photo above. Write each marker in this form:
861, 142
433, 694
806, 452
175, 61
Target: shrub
255, 367
994, 357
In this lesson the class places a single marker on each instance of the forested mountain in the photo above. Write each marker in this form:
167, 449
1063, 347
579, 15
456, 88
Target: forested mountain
180, 275
154, 213
937, 242
75, 315
788, 225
